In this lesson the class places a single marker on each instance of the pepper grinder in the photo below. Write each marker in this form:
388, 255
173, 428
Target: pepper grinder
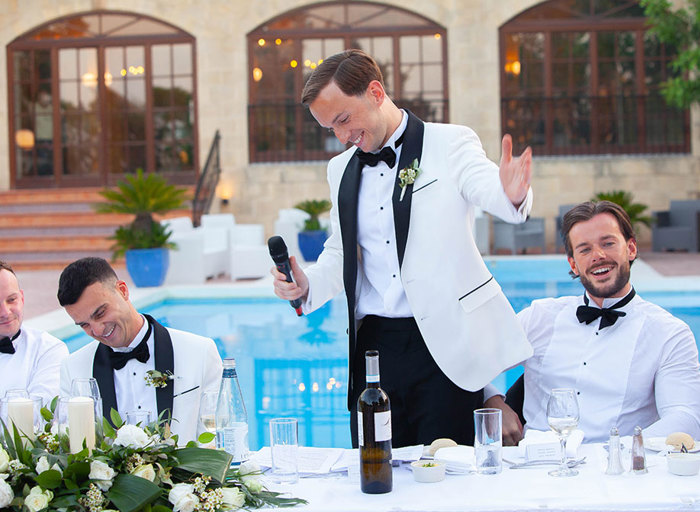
614, 461
639, 461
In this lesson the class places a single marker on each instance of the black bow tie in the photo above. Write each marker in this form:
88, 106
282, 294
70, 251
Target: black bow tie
387, 154
608, 316
140, 353
6, 346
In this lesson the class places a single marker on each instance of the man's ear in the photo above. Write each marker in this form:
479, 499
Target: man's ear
123, 289
572, 264
376, 92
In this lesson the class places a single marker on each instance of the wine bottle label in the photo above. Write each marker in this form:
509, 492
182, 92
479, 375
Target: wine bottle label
382, 426
360, 432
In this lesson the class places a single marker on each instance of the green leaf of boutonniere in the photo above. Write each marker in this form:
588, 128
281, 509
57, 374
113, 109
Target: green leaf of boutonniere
408, 176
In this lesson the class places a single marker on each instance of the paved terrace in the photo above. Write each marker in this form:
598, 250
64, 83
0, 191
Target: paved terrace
40, 286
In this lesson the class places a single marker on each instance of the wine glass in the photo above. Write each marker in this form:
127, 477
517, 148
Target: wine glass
563, 416
207, 413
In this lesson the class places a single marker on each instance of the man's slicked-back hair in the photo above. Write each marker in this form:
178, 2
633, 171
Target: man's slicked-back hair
6, 266
586, 211
351, 70
79, 275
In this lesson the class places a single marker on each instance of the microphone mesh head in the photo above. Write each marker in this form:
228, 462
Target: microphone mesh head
278, 249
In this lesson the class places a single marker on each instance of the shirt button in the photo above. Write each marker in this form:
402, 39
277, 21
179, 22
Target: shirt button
387, 241
381, 207
584, 363
381, 174
134, 373
394, 275
139, 406
578, 393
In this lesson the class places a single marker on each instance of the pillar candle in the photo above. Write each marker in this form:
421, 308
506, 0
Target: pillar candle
20, 411
81, 423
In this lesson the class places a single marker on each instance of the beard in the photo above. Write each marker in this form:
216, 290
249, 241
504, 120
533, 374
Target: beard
608, 289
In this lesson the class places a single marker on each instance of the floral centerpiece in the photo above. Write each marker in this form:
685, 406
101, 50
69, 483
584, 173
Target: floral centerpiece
132, 468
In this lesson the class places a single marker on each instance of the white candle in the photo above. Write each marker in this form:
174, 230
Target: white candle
81, 423
20, 411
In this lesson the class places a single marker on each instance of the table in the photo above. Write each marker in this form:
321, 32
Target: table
511, 490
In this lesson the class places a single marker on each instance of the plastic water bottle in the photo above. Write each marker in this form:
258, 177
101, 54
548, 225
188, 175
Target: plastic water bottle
231, 416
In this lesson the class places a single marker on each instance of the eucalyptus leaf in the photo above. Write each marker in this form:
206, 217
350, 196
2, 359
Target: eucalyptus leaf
130, 493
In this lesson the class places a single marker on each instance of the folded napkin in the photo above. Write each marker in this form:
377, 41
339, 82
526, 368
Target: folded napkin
538, 445
458, 459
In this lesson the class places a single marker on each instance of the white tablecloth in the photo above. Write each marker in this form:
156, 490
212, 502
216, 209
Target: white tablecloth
521, 489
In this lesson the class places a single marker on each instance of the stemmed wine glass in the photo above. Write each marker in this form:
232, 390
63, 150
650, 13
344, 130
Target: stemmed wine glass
563, 416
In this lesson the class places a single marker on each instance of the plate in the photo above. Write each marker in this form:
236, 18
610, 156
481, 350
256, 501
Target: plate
658, 444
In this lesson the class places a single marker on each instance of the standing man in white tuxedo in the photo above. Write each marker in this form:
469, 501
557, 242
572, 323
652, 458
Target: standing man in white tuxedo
29, 359
417, 287
129, 345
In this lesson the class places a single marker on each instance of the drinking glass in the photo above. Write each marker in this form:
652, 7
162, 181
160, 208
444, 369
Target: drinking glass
284, 445
488, 441
142, 418
563, 416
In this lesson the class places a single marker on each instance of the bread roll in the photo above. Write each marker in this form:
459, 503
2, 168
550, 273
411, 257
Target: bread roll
440, 443
678, 439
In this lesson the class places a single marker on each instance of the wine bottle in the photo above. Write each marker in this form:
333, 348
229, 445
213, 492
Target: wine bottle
374, 431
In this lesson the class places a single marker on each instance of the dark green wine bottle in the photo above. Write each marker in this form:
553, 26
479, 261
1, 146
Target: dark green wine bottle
374, 431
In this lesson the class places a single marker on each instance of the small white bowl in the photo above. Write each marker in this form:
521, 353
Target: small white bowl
428, 471
683, 464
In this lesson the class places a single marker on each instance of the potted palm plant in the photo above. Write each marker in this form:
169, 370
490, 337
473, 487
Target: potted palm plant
312, 237
144, 241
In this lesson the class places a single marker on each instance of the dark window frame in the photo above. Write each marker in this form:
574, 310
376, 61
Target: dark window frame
298, 124
644, 104
39, 38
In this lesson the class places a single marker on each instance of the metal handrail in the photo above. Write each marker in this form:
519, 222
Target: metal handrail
208, 179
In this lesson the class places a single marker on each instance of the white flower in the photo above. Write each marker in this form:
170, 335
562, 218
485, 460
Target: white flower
145, 471
42, 465
249, 467
6, 494
252, 482
102, 474
37, 499
132, 436
233, 497
4, 461
56, 467
182, 497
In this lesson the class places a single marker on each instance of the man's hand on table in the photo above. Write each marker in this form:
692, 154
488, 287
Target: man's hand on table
512, 430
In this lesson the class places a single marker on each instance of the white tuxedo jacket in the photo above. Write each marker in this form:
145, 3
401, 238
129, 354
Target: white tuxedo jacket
192, 359
467, 323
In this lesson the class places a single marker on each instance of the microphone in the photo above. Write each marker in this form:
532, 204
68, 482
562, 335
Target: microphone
279, 254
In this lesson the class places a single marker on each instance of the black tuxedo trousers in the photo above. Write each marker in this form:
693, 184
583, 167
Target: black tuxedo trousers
425, 404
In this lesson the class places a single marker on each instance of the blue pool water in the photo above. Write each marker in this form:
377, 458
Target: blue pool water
289, 366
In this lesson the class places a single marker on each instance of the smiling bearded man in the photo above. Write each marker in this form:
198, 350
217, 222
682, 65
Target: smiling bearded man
630, 361
130, 346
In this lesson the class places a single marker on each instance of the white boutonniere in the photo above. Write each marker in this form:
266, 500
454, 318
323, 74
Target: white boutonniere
158, 379
408, 175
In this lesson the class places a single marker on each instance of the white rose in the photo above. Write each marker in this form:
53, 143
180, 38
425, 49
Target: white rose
233, 497
145, 471
6, 494
42, 465
37, 499
248, 467
183, 498
252, 482
56, 467
4, 461
102, 474
132, 436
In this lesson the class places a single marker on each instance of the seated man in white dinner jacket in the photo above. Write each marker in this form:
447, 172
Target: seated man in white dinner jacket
29, 359
630, 361
129, 345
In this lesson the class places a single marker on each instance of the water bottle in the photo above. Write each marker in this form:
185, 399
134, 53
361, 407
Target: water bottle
231, 416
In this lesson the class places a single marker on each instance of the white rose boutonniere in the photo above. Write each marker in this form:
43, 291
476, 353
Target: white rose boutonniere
158, 379
408, 175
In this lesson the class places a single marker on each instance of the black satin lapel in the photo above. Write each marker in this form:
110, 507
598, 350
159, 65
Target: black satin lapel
412, 149
164, 363
347, 212
104, 375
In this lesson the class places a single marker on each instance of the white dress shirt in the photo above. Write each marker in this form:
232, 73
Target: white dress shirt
133, 394
381, 292
643, 370
35, 365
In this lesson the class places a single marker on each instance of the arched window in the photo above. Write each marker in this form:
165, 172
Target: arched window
583, 76
96, 95
410, 49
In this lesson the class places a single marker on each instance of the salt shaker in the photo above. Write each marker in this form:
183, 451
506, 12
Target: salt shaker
639, 461
614, 462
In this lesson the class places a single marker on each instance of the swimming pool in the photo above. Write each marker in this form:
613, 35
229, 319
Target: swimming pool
290, 366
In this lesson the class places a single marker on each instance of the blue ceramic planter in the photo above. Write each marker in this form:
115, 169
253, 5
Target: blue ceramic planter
147, 267
311, 243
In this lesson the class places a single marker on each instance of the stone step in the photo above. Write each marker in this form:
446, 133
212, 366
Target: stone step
55, 244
